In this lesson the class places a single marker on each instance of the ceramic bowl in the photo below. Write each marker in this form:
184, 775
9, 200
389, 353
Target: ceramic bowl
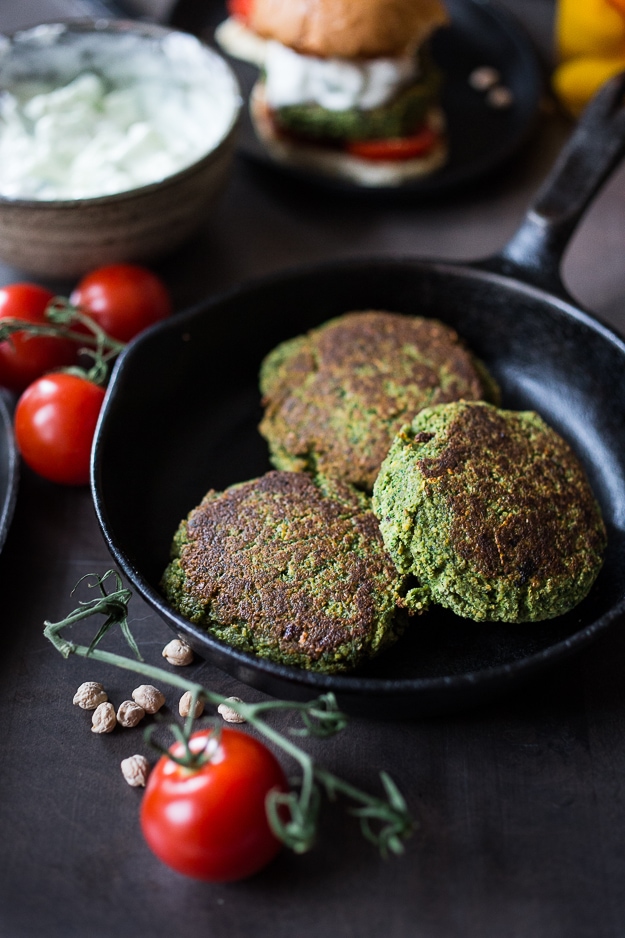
64, 237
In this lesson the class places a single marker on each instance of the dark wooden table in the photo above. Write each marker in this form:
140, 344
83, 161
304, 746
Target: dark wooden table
521, 804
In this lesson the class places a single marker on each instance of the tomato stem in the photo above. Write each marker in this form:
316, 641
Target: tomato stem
386, 822
64, 314
62, 318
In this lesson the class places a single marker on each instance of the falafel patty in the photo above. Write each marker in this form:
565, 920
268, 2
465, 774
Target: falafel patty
335, 397
491, 511
290, 569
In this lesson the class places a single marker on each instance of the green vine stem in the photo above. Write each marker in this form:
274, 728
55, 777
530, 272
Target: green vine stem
62, 319
386, 822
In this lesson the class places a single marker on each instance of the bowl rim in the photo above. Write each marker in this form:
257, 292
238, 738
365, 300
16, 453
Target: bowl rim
97, 24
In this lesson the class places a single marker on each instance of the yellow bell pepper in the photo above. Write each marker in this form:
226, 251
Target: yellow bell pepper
590, 46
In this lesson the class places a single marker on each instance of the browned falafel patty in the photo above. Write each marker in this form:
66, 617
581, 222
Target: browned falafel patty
289, 568
492, 512
335, 398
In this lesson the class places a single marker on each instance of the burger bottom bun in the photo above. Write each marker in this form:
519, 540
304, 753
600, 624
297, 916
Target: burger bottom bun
337, 164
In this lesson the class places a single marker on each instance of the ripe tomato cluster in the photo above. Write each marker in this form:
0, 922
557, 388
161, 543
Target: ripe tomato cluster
57, 412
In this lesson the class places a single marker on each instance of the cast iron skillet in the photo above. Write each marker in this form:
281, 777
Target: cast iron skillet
181, 413
8, 470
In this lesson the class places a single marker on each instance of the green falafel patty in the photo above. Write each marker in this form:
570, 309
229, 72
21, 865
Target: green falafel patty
335, 397
290, 569
491, 511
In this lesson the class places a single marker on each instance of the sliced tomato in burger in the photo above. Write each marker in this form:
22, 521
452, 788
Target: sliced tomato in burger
395, 148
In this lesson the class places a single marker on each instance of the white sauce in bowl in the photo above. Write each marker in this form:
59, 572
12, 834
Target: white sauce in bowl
88, 114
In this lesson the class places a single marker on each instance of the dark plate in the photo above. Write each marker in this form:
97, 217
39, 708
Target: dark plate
8, 469
480, 138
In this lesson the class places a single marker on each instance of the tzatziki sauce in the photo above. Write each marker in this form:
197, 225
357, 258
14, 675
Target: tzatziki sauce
88, 114
335, 84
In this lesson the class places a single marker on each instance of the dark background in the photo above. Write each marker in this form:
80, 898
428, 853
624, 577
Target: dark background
521, 804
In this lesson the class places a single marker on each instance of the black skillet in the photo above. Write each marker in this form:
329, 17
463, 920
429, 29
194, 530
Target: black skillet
181, 413
480, 137
8, 469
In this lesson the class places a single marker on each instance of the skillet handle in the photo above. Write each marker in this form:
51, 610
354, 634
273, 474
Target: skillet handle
534, 253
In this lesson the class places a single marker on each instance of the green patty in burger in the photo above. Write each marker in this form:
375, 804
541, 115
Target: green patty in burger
400, 117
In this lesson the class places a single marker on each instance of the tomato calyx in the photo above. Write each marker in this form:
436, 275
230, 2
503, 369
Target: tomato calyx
191, 757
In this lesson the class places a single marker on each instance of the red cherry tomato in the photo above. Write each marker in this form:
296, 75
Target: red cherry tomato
210, 823
55, 420
24, 358
123, 299
395, 148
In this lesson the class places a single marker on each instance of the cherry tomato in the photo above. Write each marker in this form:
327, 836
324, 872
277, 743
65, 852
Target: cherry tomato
395, 148
24, 358
123, 299
55, 420
210, 823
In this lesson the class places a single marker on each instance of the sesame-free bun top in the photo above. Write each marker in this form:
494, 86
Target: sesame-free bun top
348, 28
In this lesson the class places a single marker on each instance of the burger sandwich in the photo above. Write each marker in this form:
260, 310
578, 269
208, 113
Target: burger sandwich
348, 87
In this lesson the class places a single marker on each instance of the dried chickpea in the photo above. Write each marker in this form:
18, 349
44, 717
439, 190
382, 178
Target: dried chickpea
184, 706
500, 98
148, 697
484, 78
103, 719
129, 713
135, 770
228, 714
89, 695
178, 652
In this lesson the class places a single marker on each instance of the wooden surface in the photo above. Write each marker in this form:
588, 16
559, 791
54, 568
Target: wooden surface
521, 804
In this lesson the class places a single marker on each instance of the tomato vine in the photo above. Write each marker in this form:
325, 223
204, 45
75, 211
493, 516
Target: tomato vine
385, 821
56, 353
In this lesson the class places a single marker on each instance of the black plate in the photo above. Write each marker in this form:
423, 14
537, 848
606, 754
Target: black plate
182, 409
480, 138
8, 469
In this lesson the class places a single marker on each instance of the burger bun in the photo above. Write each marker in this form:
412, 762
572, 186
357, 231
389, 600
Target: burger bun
348, 28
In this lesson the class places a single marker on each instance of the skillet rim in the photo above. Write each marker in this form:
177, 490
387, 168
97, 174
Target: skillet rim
354, 685
9, 470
